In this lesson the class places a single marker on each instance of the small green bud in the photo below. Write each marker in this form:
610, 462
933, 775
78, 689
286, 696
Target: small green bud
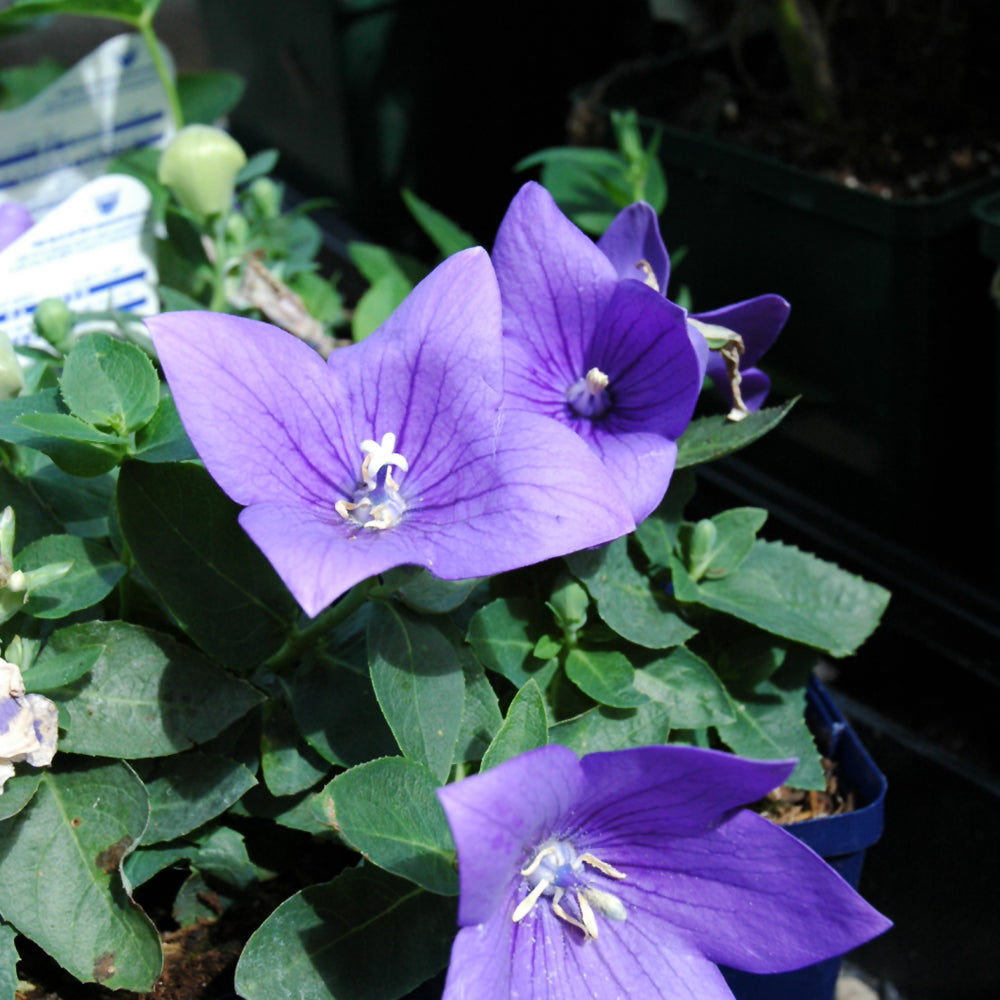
16, 584
701, 547
237, 232
200, 167
266, 195
53, 320
569, 604
11, 375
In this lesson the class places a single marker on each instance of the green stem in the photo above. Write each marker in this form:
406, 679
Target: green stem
218, 300
169, 86
302, 639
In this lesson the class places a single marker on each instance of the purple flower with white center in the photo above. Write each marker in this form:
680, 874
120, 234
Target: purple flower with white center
634, 874
610, 359
394, 451
635, 248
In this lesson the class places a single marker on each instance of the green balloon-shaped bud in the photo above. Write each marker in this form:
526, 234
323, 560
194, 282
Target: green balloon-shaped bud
54, 321
11, 376
200, 167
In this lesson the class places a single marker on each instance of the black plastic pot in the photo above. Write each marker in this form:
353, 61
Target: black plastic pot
890, 342
840, 840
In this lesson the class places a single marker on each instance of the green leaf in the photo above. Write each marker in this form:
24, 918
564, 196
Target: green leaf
525, 728
769, 722
145, 862
606, 676
60, 875
208, 96
187, 791
164, 439
53, 669
688, 688
388, 810
332, 941
289, 765
625, 600
94, 573
8, 962
378, 303
443, 233
110, 384
337, 713
146, 696
481, 717
426, 593
75, 446
504, 634
733, 536
185, 538
11, 410
709, 438
793, 595
419, 684
129, 11
605, 728
223, 855
17, 792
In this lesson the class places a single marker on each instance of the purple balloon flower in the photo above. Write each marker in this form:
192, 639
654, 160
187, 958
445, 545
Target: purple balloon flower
635, 248
633, 874
395, 451
610, 359
15, 220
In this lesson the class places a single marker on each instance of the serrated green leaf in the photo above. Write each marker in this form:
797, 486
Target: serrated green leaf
60, 881
605, 728
625, 599
794, 595
606, 676
146, 696
388, 810
76, 447
419, 685
525, 727
709, 438
110, 384
448, 237
735, 532
188, 790
504, 634
184, 535
11, 410
332, 940
688, 688
164, 438
93, 575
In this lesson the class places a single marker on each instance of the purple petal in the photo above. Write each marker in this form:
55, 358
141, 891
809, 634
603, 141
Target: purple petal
498, 816
749, 895
633, 236
758, 321
281, 432
553, 280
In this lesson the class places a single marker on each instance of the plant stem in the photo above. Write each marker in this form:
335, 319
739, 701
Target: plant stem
804, 49
156, 54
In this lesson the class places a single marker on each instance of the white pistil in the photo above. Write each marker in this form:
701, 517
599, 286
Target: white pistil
378, 455
377, 503
597, 381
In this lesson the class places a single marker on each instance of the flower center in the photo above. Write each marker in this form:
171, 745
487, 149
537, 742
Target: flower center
588, 396
565, 878
377, 501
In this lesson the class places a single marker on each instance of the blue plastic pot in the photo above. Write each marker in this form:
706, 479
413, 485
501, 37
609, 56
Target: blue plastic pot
840, 840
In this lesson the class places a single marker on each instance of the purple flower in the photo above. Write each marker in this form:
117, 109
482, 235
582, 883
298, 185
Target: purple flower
610, 359
633, 874
395, 451
29, 724
635, 248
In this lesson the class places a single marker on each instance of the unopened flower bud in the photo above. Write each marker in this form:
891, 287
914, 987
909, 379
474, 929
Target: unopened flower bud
200, 167
11, 376
54, 321
266, 195
569, 604
17, 584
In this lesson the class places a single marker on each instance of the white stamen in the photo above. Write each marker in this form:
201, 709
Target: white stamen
597, 381
648, 278
527, 904
379, 455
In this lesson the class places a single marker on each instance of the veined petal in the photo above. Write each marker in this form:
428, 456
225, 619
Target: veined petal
758, 321
634, 236
553, 280
497, 815
750, 895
